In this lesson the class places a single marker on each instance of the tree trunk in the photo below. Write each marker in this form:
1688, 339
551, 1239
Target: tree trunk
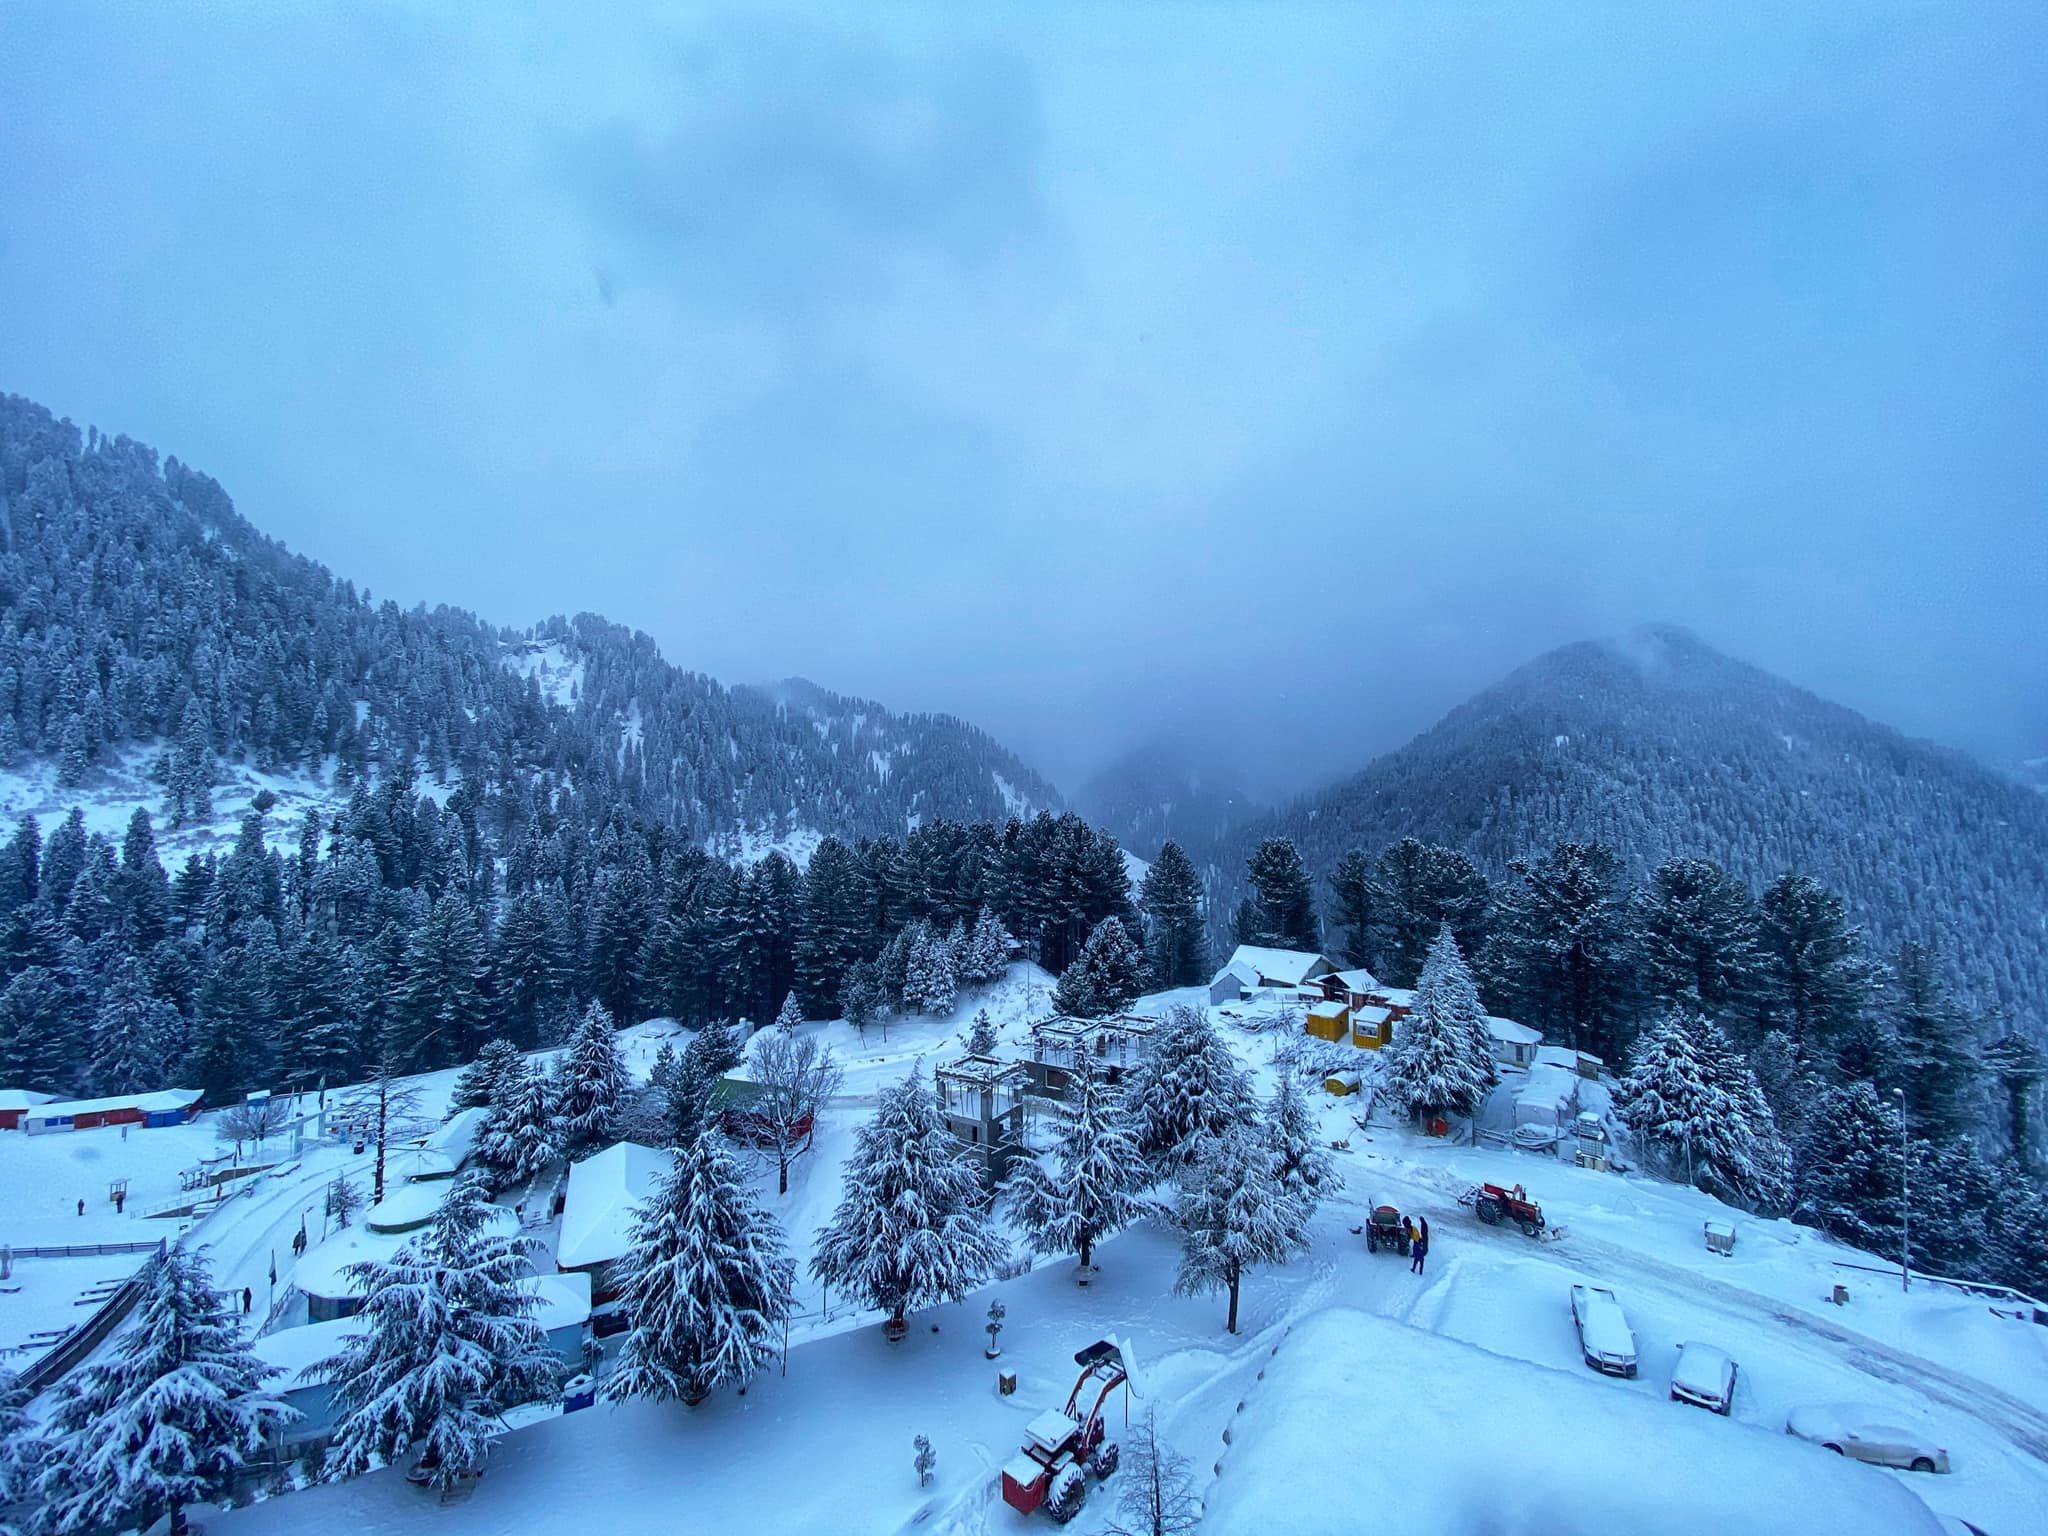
1087, 1248
178, 1525
782, 1170
1231, 1327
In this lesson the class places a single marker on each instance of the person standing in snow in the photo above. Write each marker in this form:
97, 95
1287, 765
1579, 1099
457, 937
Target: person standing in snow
1418, 1249
248, 1300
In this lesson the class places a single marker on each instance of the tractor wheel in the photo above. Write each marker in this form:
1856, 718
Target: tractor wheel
1106, 1460
1488, 1211
1531, 1229
1372, 1243
1066, 1500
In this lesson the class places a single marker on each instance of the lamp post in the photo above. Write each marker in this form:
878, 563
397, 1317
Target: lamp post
1905, 1199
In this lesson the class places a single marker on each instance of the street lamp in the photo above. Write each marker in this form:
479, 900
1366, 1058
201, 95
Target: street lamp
1905, 1199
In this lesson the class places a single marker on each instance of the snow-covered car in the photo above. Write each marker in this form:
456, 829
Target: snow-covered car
1703, 1376
1605, 1338
1864, 1434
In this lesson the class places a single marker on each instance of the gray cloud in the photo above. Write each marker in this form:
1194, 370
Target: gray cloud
1090, 373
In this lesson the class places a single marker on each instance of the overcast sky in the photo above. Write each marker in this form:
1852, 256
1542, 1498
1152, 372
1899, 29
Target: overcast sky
1089, 371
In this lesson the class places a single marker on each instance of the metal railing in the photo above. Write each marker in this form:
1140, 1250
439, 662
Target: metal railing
87, 1336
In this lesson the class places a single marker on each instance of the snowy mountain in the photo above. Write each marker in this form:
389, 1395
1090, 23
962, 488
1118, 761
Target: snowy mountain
143, 620
1661, 746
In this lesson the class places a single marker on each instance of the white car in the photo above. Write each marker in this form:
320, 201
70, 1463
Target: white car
1703, 1376
1605, 1338
1864, 1434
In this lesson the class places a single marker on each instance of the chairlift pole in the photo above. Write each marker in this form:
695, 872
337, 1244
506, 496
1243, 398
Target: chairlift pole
1905, 1198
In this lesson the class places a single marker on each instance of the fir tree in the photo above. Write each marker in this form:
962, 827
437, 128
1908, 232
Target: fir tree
1665, 1097
448, 1345
1442, 1057
861, 1000
22, 1448
170, 1418
342, 1199
1093, 1189
1417, 890
1936, 1052
833, 935
1351, 883
138, 1040
912, 1229
687, 1109
1565, 946
721, 1051
706, 1281
1233, 1216
482, 1083
987, 952
791, 1015
518, 1137
981, 1038
1184, 1088
929, 980
1815, 984
2018, 1066
1699, 938
1848, 1168
1302, 1168
190, 797
594, 1082
439, 1004
1171, 896
1283, 899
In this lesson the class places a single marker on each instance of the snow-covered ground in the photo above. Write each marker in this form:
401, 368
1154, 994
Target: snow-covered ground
1356, 1395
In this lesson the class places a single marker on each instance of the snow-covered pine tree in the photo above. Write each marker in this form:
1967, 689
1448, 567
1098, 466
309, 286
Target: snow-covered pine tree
1416, 889
1745, 1150
981, 1037
913, 1228
1699, 936
1171, 895
1936, 1055
22, 1449
449, 1344
1815, 982
518, 1137
1565, 946
342, 1199
594, 1082
791, 1015
861, 998
477, 1086
1232, 1216
719, 1046
1442, 1055
1847, 1166
687, 1110
1185, 1087
663, 1070
1157, 1493
168, 1419
1075, 994
1302, 1168
137, 1039
929, 984
707, 1282
1666, 1098
2017, 1066
988, 950
1093, 1188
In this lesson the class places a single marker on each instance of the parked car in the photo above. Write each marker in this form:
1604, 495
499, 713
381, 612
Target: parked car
1703, 1376
1864, 1434
1605, 1338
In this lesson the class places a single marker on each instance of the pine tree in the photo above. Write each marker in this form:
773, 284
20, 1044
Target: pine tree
191, 784
981, 1038
861, 1000
448, 1345
22, 1448
2018, 1066
138, 1040
1937, 1051
913, 1228
1665, 1097
1699, 938
1351, 883
1233, 1216
791, 1015
1093, 1189
527, 978
1417, 889
1847, 1163
518, 1137
1815, 984
987, 954
342, 1199
1566, 945
168, 1419
1185, 1088
481, 1084
706, 1281
832, 936
1284, 900
439, 1004
594, 1082
687, 1110
1172, 898
1744, 1151
1443, 1056
929, 983
721, 1051
1302, 1169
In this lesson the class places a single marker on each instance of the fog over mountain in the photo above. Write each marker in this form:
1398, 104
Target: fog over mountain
1089, 381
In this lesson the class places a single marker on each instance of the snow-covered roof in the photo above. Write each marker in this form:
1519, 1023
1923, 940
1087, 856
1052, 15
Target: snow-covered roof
1372, 1013
1359, 980
1508, 1032
21, 1098
1562, 1057
1400, 997
404, 1207
444, 1152
1278, 967
1326, 1010
163, 1098
598, 1209
980, 1069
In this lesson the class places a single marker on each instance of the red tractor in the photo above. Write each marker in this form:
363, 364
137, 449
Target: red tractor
1493, 1205
1063, 1445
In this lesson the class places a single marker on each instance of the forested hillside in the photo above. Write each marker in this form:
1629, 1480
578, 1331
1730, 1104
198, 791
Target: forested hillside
1660, 747
1156, 794
137, 607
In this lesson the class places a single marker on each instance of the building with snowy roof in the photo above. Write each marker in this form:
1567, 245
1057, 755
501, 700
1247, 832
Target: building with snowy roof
322, 1275
16, 1103
1061, 1043
444, 1153
1282, 968
983, 1102
605, 1192
166, 1106
1514, 1045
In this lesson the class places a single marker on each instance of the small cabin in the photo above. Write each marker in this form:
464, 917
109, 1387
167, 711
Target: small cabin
983, 1102
1328, 1021
1514, 1045
1372, 1025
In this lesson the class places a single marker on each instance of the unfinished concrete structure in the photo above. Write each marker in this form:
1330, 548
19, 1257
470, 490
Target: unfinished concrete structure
983, 1102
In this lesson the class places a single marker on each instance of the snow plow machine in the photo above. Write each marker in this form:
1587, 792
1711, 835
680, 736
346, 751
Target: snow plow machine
1063, 1445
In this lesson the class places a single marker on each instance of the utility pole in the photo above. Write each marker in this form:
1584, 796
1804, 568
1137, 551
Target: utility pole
1905, 1199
